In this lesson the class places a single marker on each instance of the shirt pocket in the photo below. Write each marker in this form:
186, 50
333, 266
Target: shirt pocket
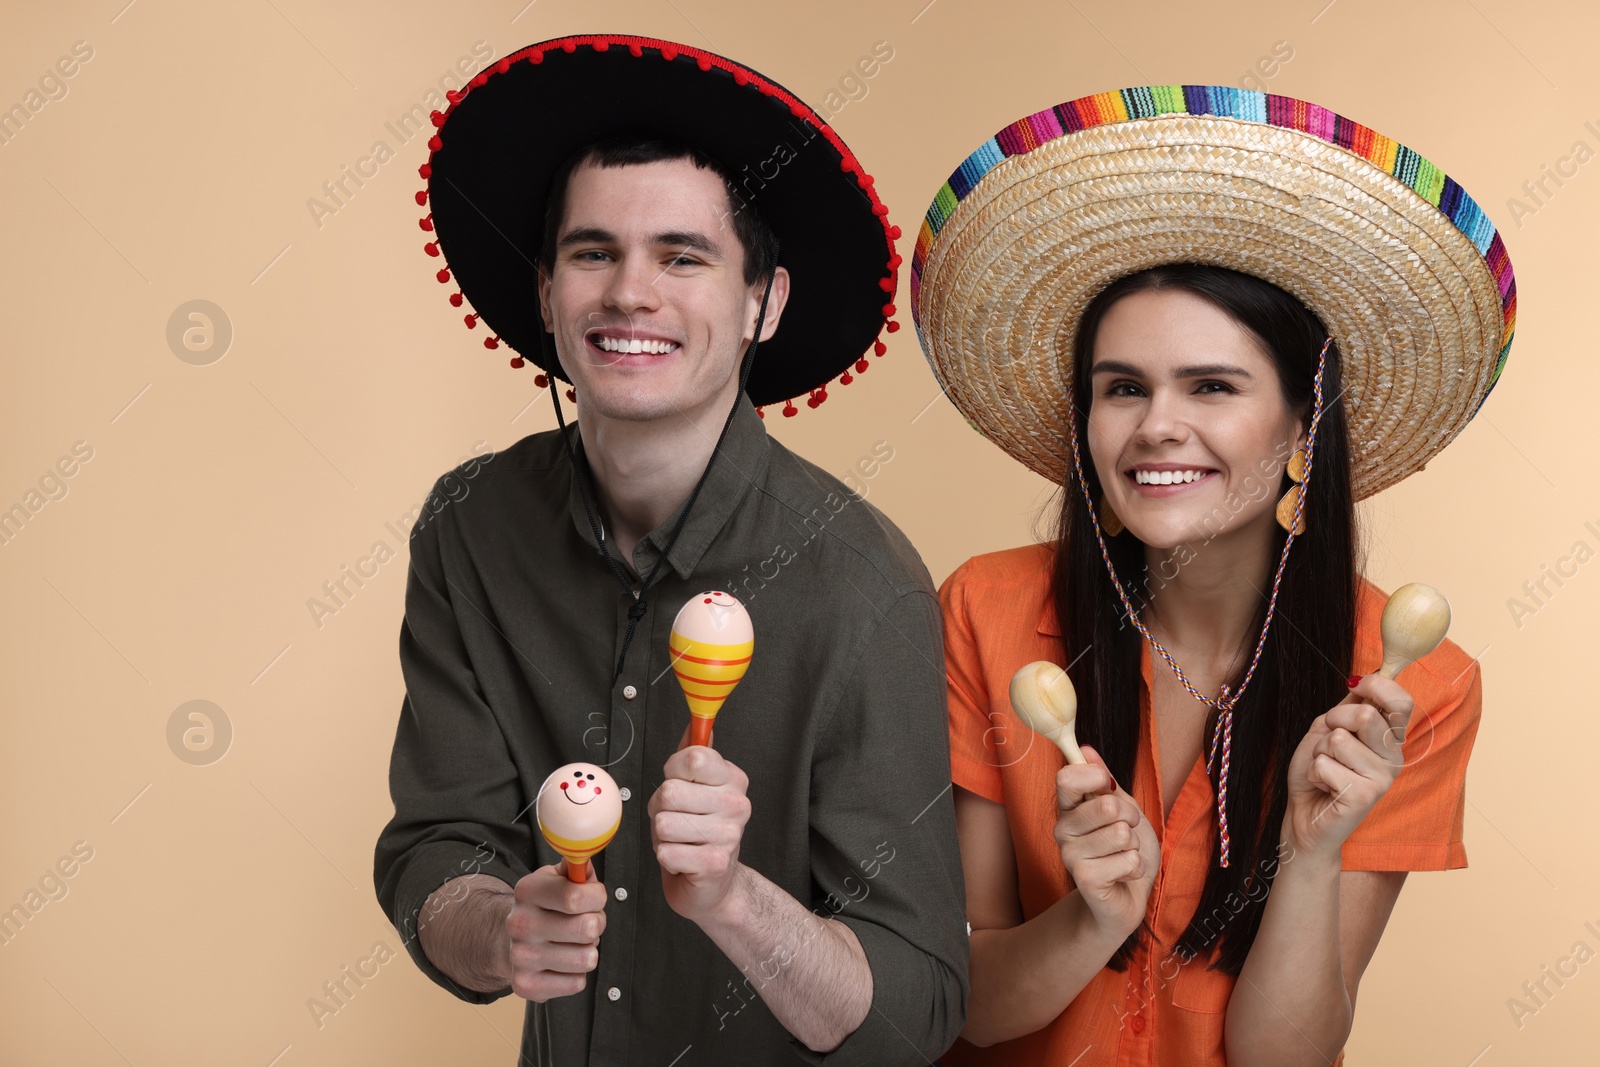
1201, 990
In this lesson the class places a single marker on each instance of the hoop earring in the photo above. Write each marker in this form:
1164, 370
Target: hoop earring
1110, 521
1291, 500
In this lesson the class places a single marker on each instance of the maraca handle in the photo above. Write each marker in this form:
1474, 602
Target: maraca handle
1392, 667
1067, 741
700, 730
578, 874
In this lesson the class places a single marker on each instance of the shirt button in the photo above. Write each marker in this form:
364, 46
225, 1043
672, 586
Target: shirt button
613, 993
629, 692
627, 794
622, 894
1138, 1020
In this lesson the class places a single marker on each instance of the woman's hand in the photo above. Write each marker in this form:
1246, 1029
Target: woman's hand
1107, 845
1345, 764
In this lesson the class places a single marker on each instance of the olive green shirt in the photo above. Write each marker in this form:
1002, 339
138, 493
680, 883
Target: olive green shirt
512, 627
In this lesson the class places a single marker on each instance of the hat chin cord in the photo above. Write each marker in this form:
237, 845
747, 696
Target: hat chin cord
641, 605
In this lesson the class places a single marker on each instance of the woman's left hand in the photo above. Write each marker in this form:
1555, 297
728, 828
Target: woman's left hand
1345, 764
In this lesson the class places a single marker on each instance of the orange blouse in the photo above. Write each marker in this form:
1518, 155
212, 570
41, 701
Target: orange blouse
999, 615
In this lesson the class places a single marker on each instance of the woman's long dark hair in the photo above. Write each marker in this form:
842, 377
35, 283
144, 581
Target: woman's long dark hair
1308, 651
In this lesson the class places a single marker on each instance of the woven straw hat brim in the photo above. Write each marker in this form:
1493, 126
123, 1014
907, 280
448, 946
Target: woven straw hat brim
1420, 317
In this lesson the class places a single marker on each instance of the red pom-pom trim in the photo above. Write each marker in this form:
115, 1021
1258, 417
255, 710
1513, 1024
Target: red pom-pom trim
572, 396
425, 171
432, 248
886, 284
540, 381
761, 413
601, 46
635, 51
894, 233
789, 410
569, 47
422, 197
443, 276
455, 299
888, 310
879, 348
472, 321
892, 326
434, 143
517, 361
453, 96
862, 365
426, 222
845, 378
503, 66
437, 118
491, 342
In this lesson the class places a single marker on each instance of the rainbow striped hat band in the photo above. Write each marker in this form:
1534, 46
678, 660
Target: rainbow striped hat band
1402, 266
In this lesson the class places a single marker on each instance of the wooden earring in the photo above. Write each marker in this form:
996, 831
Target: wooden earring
1291, 500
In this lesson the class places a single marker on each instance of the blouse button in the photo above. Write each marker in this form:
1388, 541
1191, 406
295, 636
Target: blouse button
622, 894
625, 793
613, 993
629, 692
1138, 1022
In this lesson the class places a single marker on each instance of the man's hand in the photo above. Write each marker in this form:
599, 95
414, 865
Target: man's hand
697, 820
553, 930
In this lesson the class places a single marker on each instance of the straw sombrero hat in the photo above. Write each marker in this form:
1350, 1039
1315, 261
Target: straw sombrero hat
503, 137
1401, 265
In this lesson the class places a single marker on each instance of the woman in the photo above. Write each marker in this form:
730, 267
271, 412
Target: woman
1217, 318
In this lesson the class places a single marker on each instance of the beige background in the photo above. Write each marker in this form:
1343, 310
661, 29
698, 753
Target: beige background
219, 498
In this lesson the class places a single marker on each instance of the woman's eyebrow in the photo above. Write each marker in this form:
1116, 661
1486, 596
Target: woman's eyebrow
1203, 370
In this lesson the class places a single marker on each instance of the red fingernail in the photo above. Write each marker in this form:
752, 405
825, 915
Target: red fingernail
1352, 681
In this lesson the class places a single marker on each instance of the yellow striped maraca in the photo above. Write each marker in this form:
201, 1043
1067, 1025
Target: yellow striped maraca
579, 809
712, 641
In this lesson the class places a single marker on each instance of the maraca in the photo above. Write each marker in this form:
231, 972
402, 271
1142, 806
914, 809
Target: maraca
579, 809
1414, 622
1043, 698
712, 641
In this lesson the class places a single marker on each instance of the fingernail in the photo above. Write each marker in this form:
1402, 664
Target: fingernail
1352, 681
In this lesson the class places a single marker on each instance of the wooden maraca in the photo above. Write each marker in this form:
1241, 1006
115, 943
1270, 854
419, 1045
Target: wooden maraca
1044, 699
711, 641
579, 809
1415, 620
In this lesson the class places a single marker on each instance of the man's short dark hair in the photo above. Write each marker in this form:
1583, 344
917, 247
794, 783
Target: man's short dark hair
755, 236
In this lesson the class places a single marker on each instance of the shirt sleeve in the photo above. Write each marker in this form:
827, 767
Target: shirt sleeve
884, 858
455, 790
1417, 826
974, 759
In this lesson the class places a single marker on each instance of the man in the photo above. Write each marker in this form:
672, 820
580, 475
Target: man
792, 894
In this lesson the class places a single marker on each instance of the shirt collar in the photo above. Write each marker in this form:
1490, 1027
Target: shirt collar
740, 463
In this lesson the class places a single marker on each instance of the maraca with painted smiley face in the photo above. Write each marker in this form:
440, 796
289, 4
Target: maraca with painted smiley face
579, 810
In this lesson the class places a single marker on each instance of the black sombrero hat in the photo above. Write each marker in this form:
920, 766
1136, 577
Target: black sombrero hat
503, 137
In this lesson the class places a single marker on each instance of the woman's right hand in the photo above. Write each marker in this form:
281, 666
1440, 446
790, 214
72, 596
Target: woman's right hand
1107, 845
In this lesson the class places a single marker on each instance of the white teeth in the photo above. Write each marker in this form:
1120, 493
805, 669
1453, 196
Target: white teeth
1167, 477
632, 347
